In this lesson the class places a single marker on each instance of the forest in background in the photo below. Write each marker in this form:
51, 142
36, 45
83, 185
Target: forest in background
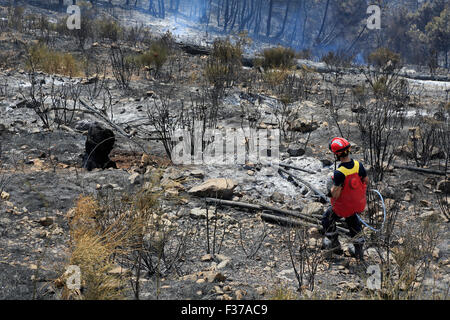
417, 29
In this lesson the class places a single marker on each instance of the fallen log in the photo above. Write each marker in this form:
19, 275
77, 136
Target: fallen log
285, 221
259, 207
291, 213
288, 222
315, 219
296, 168
317, 192
194, 49
316, 222
421, 170
303, 189
234, 203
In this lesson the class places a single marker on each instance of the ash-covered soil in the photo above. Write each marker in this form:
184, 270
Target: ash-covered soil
41, 176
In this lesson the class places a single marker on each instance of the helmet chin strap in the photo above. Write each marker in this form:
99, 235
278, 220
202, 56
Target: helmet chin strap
338, 157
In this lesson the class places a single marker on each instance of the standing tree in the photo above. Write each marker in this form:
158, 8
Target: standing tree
438, 32
269, 18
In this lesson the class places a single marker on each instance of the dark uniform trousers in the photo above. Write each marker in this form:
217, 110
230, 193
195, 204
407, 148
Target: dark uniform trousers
329, 220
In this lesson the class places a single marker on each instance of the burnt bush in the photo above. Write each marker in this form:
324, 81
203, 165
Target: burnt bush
224, 63
123, 66
381, 128
338, 59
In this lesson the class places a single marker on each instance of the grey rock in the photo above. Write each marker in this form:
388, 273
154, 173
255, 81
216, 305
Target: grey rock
295, 151
135, 178
277, 197
219, 187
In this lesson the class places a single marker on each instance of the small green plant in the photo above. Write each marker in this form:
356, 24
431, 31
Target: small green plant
216, 72
380, 86
227, 52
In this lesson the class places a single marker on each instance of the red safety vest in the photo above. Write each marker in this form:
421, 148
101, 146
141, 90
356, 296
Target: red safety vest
353, 195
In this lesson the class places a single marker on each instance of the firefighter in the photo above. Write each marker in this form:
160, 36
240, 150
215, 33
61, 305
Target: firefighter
348, 197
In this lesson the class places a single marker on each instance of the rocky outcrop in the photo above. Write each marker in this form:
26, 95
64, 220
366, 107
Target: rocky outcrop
220, 187
313, 208
295, 150
303, 125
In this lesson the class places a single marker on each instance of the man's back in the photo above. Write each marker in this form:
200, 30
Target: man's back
339, 175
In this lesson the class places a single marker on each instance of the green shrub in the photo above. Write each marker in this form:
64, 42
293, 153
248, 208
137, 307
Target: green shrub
156, 56
380, 86
227, 53
278, 57
40, 57
224, 63
383, 57
109, 29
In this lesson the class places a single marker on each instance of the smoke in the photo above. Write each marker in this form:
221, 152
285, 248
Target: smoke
201, 21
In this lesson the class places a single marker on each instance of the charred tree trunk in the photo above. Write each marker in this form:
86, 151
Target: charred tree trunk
296, 24
286, 14
226, 15
304, 23
323, 21
258, 19
162, 9
151, 7
245, 18
269, 19
235, 9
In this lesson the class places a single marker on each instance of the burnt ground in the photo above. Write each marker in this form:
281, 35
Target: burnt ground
42, 175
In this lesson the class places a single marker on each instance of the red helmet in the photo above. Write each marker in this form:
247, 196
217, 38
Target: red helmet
339, 145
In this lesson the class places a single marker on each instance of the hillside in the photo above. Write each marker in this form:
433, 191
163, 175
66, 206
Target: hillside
171, 163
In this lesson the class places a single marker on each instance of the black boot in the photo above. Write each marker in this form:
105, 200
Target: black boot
357, 251
331, 242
